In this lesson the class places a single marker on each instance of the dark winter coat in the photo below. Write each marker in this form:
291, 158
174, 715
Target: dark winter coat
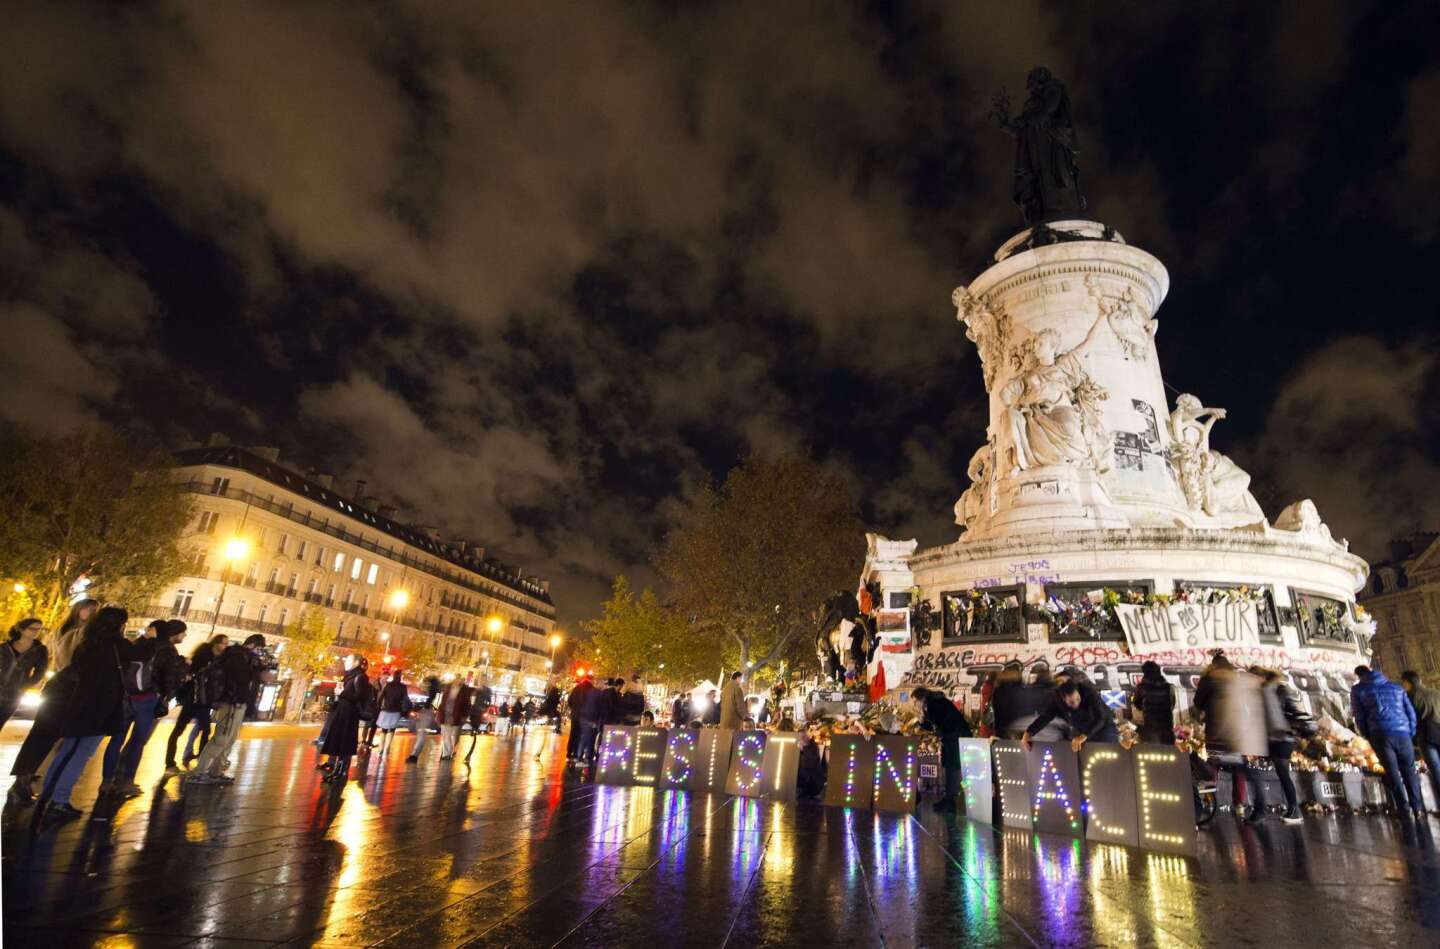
343, 736
20, 671
199, 659
632, 708
551, 708
395, 697
1014, 702
577, 698
98, 703
1092, 718
517, 713
240, 675
1155, 700
1381, 707
1427, 713
595, 706
167, 671
1282, 713
614, 713
949, 723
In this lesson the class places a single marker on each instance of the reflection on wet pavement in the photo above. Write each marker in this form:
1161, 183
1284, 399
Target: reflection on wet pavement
518, 851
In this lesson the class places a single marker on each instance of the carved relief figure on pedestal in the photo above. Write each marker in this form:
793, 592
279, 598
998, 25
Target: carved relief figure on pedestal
1212, 483
1135, 330
1053, 408
971, 506
987, 326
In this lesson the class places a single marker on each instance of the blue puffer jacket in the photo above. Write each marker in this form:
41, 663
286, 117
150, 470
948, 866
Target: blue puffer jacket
1381, 707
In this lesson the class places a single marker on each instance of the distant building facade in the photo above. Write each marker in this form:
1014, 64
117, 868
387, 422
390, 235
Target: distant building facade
304, 546
1403, 597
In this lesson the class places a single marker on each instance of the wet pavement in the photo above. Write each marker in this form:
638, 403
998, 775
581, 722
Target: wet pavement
517, 851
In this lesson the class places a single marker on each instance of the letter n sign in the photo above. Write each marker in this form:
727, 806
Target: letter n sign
895, 773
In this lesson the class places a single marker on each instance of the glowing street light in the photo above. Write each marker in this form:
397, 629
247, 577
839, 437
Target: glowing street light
399, 599
494, 624
385, 637
19, 588
236, 549
555, 641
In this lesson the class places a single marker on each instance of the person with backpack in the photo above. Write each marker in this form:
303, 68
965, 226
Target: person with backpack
91, 702
1152, 706
394, 703
23, 659
194, 705
233, 679
150, 678
1285, 723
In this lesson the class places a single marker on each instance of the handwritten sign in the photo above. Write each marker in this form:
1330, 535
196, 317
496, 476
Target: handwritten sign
1162, 628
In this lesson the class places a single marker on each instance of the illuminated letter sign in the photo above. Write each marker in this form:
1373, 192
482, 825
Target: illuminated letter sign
680, 754
850, 781
649, 755
712, 759
976, 776
747, 775
1163, 793
782, 765
895, 770
1012, 773
1108, 777
616, 751
1055, 788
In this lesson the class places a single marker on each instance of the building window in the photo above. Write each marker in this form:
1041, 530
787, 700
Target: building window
181, 606
283, 618
319, 556
240, 609
355, 567
313, 587
274, 577
330, 596
197, 563
294, 584
264, 608
339, 563
284, 543
300, 550
208, 521
374, 572
220, 486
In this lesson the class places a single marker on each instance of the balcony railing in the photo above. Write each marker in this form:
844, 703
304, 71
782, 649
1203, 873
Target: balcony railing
395, 556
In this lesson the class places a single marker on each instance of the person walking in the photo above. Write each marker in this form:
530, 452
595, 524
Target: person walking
455, 704
93, 705
1426, 702
394, 705
679, 711
1082, 709
1285, 722
194, 705
235, 675
632, 702
1384, 715
424, 720
593, 714
575, 701
1232, 707
940, 715
152, 674
550, 708
517, 716
45, 729
1152, 706
343, 740
23, 661
370, 712
732, 703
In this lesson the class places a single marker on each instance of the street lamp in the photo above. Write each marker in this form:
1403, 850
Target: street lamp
399, 599
236, 550
494, 624
555, 640
19, 588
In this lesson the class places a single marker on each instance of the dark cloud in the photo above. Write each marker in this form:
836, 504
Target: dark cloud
535, 272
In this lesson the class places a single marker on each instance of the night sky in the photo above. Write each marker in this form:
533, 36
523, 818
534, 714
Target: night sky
535, 271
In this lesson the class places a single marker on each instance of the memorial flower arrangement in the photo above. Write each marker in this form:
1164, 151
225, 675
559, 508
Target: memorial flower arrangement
881, 718
1335, 748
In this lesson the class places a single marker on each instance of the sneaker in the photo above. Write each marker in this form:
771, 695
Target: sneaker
63, 811
133, 790
1256, 816
1293, 819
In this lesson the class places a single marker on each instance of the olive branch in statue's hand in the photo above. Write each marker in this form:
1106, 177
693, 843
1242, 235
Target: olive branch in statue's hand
1000, 110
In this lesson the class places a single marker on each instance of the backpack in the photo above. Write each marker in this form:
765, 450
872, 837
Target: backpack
139, 676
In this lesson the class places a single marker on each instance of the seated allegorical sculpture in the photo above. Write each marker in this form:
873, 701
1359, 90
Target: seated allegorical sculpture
1053, 408
1211, 482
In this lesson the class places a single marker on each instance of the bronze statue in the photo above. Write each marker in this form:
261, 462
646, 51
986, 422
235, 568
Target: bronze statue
1047, 176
